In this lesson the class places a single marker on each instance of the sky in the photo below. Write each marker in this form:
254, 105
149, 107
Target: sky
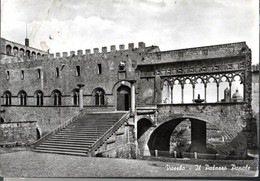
170, 24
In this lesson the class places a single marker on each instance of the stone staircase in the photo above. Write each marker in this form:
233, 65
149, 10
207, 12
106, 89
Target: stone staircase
81, 136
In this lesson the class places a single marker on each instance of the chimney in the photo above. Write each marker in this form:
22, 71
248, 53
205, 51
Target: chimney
26, 42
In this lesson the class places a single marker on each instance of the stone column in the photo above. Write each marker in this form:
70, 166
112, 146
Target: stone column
217, 92
230, 96
193, 93
182, 94
158, 91
171, 94
133, 97
134, 114
81, 100
205, 97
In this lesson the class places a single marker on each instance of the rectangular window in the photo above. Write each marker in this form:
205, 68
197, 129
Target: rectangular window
7, 75
77, 70
99, 69
39, 73
22, 74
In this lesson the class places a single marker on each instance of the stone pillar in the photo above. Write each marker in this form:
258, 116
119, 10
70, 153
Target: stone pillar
182, 94
158, 91
205, 97
198, 136
133, 97
193, 93
217, 92
81, 100
230, 96
171, 94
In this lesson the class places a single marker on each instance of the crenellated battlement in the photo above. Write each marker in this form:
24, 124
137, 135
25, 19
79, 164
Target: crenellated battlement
121, 47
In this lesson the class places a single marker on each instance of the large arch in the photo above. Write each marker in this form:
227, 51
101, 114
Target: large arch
160, 137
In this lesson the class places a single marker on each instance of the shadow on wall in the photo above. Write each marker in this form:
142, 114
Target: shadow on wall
243, 142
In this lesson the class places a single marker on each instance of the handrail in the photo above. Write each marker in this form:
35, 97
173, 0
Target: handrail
54, 131
107, 134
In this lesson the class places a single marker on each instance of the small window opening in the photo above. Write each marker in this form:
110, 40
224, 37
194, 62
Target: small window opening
22, 74
7, 75
39, 73
99, 69
57, 72
77, 70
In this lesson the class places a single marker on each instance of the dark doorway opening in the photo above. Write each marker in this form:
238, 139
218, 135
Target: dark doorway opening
142, 126
38, 135
123, 98
161, 137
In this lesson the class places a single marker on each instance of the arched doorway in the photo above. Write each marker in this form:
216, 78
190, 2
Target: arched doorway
161, 137
123, 98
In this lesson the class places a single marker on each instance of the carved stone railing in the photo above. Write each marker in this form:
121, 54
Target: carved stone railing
107, 134
62, 126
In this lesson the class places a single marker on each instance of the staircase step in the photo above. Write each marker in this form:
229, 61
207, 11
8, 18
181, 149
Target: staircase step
84, 130
74, 139
69, 142
61, 152
62, 147
78, 137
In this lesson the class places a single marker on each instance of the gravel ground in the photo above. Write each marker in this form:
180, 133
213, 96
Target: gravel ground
32, 164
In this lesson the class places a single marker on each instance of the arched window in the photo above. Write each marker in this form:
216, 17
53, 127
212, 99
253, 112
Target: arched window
33, 55
15, 50
28, 53
7, 98
75, 97
99, 97
39, 98
8, 50
21, 52
23, 96
38, 55
56, 95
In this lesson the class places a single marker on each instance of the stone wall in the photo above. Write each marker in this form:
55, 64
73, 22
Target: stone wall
120, 145
44, 119
18, 133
